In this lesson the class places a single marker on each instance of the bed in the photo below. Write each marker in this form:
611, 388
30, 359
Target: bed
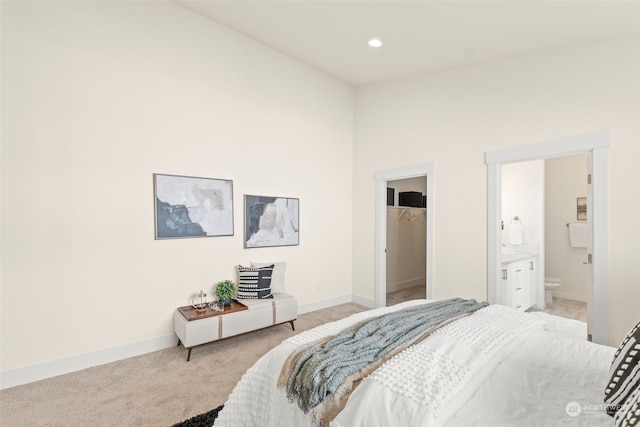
494, 366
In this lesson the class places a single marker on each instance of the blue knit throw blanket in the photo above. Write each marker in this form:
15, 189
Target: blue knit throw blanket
319, 370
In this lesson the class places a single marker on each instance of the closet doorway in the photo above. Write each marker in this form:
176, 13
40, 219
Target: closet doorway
426, 173
406, 240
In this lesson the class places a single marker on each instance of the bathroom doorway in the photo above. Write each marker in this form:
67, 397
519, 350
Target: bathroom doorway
545, 196
595, 145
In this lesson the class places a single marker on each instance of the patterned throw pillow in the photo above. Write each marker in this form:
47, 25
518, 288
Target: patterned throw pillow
624, 372
277, 278
629, 413
254, 282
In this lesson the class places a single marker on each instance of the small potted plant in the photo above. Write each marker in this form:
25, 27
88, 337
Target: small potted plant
225, 290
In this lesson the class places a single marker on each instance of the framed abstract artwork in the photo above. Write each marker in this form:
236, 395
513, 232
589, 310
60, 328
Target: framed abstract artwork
271, 221
187, 206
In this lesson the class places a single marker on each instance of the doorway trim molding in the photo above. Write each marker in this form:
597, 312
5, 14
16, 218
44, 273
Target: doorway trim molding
423, 169
596, 144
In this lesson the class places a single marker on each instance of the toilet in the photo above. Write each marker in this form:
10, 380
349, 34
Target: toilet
550, 283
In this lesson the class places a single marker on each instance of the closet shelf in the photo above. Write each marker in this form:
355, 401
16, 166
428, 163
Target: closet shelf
406, 207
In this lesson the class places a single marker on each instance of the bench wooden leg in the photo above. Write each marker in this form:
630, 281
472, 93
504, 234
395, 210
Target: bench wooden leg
292, 327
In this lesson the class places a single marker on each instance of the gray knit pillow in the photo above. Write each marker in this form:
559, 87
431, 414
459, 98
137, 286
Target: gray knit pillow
624, 372
254, 282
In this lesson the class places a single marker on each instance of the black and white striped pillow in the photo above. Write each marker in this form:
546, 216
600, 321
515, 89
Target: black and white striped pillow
629, 413
254, 282
624, 372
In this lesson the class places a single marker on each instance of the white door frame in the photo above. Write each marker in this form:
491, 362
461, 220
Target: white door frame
428, 171
595, 143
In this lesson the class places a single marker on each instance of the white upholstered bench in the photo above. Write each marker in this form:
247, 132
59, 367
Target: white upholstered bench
263, 313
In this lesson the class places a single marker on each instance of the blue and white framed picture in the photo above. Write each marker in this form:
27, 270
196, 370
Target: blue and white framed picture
187, 206
271, 221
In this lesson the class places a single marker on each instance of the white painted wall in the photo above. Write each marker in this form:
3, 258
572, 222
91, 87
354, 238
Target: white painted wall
453, 118
98, 96
565, 181
523, 195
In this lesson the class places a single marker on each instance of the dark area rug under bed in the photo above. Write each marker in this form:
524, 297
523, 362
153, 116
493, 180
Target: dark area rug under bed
202, 420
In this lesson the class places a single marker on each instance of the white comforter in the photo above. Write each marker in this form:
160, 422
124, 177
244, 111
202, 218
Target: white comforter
497, 367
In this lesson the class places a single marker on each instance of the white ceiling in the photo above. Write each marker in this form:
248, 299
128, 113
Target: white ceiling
419, 36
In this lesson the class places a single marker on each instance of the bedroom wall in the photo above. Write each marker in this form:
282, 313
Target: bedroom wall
98, 96
453, 117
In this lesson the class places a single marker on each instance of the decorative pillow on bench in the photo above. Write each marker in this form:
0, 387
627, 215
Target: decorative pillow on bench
254, 282
277, 277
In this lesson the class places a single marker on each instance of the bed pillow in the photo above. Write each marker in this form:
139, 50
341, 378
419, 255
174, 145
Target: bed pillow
277, 278
629, 413
254, 282
624, 372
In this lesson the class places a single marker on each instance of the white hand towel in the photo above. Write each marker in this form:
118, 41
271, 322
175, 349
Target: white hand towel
578, 235
515, 234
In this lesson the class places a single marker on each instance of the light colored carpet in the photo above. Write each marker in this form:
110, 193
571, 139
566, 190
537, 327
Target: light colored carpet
156, 389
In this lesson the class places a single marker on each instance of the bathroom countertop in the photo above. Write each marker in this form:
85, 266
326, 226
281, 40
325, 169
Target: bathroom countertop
513, 253
509, 258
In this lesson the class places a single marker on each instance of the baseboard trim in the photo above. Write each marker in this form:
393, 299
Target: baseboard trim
319, 305
400, 286
54, 368
365, 302
573, 297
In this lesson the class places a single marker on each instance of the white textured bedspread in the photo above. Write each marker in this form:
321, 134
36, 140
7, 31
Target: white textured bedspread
497, 367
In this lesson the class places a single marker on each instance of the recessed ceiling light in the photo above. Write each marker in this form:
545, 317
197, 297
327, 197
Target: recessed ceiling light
375, 43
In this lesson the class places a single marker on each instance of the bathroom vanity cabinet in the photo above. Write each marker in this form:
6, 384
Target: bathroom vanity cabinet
517, 283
